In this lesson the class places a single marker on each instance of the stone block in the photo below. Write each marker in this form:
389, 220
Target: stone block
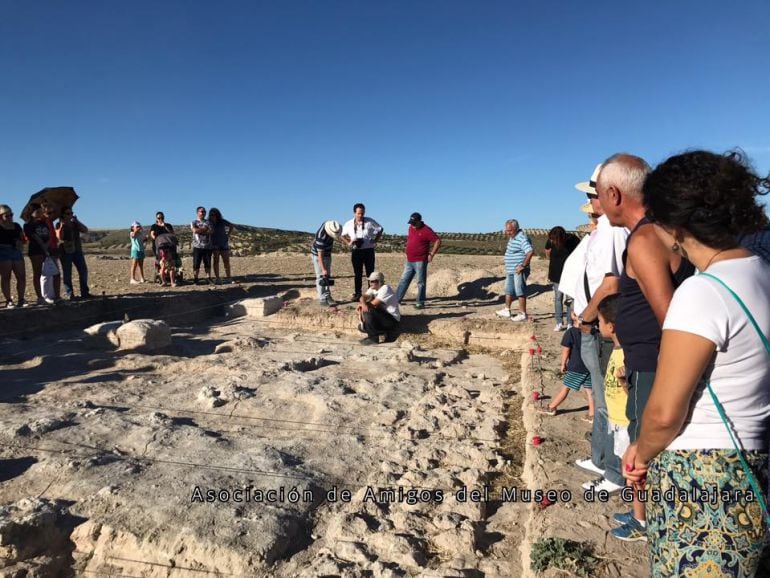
102, 334
144, 334
263, 306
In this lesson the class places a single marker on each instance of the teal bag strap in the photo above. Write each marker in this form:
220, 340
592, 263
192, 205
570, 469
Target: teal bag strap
721, 410
745, 310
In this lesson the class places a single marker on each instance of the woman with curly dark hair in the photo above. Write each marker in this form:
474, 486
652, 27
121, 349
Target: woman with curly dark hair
703, 445
558, 247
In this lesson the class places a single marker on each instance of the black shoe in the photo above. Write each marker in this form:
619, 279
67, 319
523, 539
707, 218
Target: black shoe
369, 341
196, 282
390, 337
356, 296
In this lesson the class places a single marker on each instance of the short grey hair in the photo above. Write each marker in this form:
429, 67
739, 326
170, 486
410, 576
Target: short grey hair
513, 222
626, 172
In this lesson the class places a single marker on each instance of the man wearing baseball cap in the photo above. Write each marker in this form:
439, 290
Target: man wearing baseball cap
422, 244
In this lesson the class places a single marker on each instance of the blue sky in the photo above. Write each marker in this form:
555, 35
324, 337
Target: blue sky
285, 113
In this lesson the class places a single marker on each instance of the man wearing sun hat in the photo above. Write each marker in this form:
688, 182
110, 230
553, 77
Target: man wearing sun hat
321, 255
422, 244
601, 277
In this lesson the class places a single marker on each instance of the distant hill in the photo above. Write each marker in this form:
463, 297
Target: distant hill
248, 240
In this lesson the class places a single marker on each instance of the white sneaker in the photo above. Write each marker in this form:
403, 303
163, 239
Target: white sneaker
134, 282
519, 317
602, 484
558, 327
504, 312
589, 466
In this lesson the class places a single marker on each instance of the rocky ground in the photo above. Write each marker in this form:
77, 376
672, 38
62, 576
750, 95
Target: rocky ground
282, 447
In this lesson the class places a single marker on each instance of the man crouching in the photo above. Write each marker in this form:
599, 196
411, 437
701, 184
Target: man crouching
378, 311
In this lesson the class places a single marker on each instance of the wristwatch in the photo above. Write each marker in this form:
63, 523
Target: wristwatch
584, 322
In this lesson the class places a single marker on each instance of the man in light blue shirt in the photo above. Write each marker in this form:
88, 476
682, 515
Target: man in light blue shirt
518, 254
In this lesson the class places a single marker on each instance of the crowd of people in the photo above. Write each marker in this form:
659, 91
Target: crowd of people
54, 246
52, 236
670, 322
665, 309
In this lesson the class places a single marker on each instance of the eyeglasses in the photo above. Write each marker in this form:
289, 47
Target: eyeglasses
589, 196
7, 215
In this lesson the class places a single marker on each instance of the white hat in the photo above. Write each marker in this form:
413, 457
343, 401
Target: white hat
589, 187
377, 276
332, 228
135, 224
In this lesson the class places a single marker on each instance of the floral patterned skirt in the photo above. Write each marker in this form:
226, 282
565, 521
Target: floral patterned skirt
703, 518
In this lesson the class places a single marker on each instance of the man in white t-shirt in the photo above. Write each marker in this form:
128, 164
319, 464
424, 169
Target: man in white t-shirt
378, 311
601, 277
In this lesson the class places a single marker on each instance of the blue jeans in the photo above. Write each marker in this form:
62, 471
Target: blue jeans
78, 259
323, 292
419, 268
558, 307
602, 442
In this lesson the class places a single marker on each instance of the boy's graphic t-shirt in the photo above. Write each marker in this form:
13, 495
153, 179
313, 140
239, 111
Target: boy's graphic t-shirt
614, 394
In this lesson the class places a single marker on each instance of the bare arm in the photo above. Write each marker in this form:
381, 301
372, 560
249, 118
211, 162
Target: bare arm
324, 272
564, 358
610, 285
675, 382
649, 262
434, 249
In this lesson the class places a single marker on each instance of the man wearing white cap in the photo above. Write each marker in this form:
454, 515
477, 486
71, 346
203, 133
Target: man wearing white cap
321, 255
378, 311
601, 277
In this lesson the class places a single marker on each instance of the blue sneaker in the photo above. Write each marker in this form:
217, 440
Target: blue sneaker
631, 532
623, 518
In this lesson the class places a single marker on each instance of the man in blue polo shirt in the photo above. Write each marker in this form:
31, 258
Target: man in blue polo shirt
518, 254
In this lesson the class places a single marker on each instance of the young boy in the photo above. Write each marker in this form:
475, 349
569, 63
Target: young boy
616, 396
575, 374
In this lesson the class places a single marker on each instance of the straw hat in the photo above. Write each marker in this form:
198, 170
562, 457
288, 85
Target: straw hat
333, 229
586, 208
589, 187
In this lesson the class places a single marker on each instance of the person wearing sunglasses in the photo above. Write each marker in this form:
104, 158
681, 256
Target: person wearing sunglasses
68, 231
11, 258
201, 244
